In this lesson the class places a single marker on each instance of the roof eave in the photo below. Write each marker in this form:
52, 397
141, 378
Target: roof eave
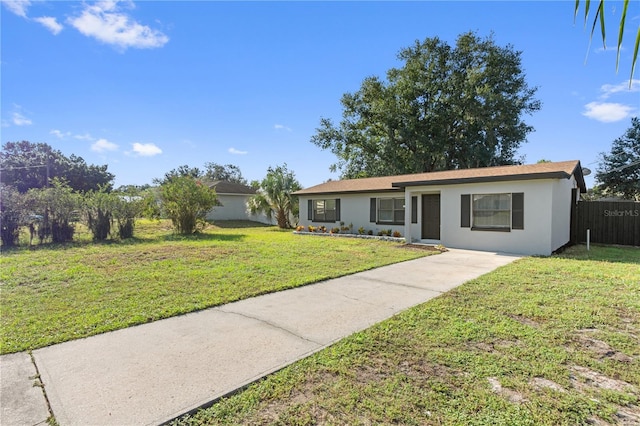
577, 172
483, 179
355, 191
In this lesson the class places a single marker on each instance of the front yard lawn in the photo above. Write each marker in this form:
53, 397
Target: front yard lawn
542, 341
51, 294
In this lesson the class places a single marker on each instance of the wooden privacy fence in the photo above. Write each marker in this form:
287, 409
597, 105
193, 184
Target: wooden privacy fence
609, 222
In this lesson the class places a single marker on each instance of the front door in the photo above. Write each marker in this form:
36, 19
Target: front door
431, 217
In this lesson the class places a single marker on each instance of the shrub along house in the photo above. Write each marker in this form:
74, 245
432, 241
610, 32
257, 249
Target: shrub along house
519, 209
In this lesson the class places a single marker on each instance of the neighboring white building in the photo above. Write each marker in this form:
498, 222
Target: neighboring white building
518, 209
233, 203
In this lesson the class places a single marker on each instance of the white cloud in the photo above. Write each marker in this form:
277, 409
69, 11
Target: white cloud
59, 134
146, 149
50, 23
20, 120
281, 127
85, 137
102, 145
106, 23
611, 89
19, 7
237, 151
607, 112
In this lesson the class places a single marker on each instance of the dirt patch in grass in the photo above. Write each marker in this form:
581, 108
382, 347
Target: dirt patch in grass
586, 381
378, 369
628, 416
524, 320
601, 349
584, 378
303, 395
542, 383
509, 394
495, 347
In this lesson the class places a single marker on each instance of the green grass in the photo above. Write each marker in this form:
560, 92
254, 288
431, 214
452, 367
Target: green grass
54, 293
542, 341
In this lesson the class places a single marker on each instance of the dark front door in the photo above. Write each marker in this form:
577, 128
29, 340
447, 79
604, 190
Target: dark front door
431, 216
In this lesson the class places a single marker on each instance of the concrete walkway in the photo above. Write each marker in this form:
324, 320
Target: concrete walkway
152, 373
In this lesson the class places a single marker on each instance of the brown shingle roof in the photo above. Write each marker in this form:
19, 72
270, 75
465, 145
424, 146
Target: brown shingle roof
224, 187
557, 170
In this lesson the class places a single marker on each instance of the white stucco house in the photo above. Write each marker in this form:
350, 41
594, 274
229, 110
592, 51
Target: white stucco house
232, 203
522, 209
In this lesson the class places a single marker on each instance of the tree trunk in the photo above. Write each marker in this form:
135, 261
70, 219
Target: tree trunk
282, 219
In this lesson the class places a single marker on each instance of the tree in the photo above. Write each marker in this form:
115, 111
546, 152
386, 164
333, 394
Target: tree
133, 189
227, 173
186, 200
274, 196
445, 108
98, 207
600, 17
26, 165
12, 215
130, 203
182, 171
56, 208
619, 171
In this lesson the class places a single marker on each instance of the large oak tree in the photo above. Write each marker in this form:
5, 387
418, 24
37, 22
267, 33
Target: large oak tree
447, 107
27, 165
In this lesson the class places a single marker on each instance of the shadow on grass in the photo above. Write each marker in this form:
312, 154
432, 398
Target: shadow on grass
199, 237
233, 224
602, 253
48, 246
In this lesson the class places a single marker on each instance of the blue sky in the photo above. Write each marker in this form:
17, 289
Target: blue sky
148, 86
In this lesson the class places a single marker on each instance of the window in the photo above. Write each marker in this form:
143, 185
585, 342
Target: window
326, 210
391, 210
492, 211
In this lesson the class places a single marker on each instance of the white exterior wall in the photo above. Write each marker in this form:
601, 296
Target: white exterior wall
354, 209
547, 215
544, 228
561, 230
235, 207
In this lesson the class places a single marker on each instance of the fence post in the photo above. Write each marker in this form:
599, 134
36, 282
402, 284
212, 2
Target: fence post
588, 238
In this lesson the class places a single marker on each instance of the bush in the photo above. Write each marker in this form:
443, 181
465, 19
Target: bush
58, 206
12, 211
186, 201
98, 209
127, 208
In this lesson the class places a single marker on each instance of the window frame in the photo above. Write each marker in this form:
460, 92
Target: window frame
507, 211
316, 217
394, 211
